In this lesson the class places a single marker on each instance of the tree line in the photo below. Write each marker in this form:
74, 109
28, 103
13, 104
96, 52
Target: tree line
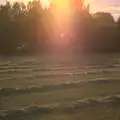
30, 29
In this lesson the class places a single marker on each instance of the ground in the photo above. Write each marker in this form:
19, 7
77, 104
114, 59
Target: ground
60, 88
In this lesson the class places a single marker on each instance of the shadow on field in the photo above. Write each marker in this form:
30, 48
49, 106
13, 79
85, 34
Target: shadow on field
53, 87
71, 107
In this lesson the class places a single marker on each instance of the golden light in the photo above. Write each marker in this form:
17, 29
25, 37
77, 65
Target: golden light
62, 12
45, 3
25, 1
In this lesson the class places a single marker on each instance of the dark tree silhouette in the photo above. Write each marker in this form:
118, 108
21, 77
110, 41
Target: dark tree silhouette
30, 29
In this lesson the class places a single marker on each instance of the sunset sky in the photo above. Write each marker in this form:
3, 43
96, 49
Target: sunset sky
112, 6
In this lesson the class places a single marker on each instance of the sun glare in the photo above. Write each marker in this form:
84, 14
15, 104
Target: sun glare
45, 3
62, 11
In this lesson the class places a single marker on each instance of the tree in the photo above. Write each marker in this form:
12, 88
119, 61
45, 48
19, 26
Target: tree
103, 19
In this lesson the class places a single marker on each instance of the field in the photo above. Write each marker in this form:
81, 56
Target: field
60, 88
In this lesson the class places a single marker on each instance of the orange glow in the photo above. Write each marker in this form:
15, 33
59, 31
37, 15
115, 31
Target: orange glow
61, 10
45, 3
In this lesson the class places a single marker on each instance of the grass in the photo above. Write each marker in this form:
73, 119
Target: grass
15, 73
90, 90
93, 113
24, 82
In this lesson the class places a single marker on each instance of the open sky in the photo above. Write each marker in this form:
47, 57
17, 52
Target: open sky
112, 6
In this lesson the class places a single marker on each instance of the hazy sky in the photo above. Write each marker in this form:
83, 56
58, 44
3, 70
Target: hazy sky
112, 6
